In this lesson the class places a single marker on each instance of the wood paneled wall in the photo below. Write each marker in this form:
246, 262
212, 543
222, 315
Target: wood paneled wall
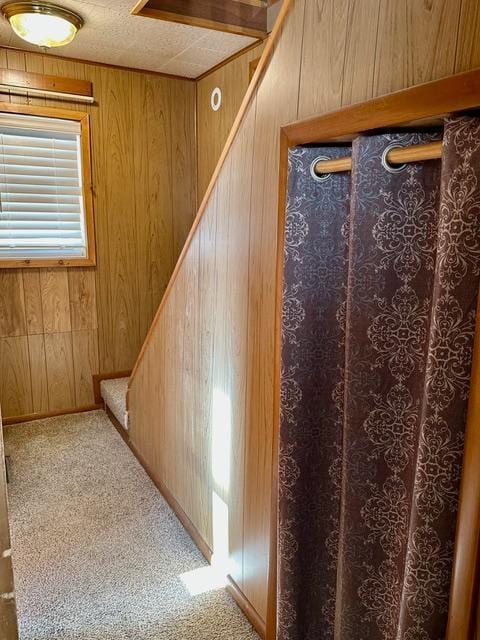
201, 403
58, 326
213, 127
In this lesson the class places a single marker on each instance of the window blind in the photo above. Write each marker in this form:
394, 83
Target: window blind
41, 191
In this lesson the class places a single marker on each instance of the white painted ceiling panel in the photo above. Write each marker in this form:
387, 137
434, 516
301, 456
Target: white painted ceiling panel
113, 36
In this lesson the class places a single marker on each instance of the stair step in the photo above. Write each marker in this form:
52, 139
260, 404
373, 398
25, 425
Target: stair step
114, 394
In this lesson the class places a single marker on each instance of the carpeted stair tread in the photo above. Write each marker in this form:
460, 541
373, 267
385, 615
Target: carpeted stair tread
114, 393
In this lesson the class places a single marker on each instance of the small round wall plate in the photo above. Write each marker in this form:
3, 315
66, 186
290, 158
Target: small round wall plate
216, 99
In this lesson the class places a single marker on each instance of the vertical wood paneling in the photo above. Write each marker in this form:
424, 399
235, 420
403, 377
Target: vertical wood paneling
207, 293
147, 256
183, 155
391, 55
33, 301
135, 174
213, 127
85, 364
432, 29
468, 42
60, 372
270, 117
187, 455
117, 238
326, 22
12, 303
38, 373
15, 385
155, 252
83, 300
55, 300
231, 333
362, 28
335, 53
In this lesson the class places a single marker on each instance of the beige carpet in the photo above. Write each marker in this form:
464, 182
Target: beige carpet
98, 554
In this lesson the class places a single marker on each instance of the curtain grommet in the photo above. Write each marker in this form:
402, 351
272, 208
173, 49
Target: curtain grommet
314, 174
385, 163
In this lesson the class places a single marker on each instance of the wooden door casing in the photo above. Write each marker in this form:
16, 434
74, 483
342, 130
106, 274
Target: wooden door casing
8, 614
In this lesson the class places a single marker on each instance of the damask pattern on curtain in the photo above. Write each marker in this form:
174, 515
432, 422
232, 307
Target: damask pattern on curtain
380, 290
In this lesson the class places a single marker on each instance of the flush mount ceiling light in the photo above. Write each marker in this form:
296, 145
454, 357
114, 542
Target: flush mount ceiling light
42, 23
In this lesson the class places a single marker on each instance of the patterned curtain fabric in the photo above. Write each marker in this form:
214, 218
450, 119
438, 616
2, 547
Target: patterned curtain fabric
381, 284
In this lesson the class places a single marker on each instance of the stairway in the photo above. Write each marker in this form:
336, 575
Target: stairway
114, 394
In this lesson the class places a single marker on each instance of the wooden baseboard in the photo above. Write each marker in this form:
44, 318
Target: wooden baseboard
50, 414
118, 426
232, 588
166, 493
246, 606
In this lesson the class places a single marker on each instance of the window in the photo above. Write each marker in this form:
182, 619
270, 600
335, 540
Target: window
46, 216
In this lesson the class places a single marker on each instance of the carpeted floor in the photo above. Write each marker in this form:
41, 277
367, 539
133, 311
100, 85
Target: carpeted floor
98, 554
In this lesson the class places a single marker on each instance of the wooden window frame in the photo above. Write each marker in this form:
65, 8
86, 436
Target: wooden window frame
83, 119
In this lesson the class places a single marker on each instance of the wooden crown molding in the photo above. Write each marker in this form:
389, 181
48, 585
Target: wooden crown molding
106, 65
233, 57
160, 74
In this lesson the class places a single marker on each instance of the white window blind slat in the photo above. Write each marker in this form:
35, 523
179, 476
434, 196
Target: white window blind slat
40, 152
38, 123
41, 199
46, 252
40, 161
23, 210
8, 179
42, 241
31, 173
25, 226
41, 143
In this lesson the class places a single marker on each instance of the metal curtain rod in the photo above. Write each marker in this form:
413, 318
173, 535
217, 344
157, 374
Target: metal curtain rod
415, 153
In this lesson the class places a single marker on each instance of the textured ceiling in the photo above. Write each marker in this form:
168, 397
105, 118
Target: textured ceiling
112, 35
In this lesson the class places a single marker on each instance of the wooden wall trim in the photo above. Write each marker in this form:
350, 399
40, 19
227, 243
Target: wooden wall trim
262, 65
271, 622
246, 606
465, 578
50, 414
118, 67
233, 57
454, 93
160, 74
176, 508
166, 493
8, 612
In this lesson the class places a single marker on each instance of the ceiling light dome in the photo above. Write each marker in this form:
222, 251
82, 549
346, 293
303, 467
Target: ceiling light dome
42, 23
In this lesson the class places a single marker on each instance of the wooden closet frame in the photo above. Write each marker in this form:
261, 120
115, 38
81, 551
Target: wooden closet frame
420, 105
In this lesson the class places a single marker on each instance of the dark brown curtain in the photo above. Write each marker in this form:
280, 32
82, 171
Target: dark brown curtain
381, 283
